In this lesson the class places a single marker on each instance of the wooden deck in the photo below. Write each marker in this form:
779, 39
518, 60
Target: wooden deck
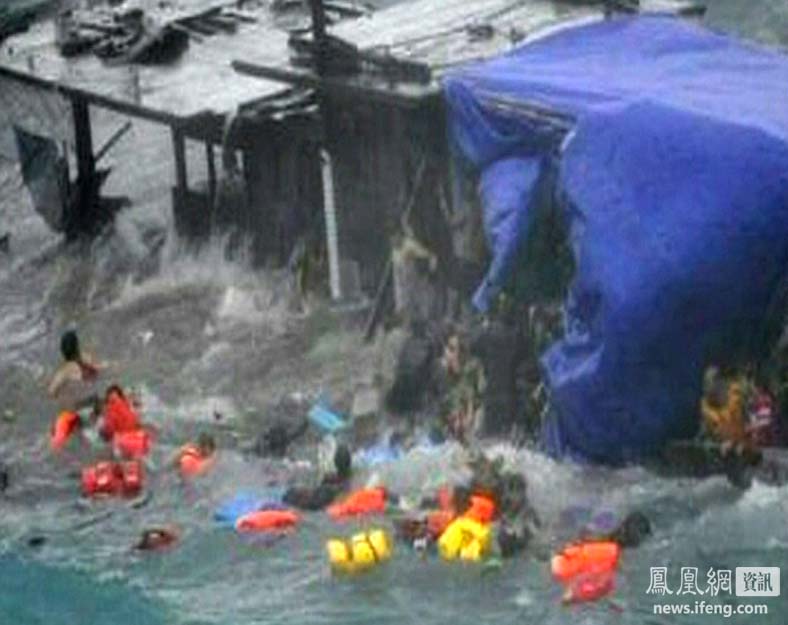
440, 34
201, 81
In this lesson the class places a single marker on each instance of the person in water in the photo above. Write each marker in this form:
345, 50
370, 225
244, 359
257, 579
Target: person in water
74, 389
194, 459
73, 384
118, 413
463, 383
275, 441
330, 487
157, 538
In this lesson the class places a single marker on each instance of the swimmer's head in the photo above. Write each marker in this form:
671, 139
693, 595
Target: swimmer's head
114, 389
632, 530
342, 461
157, 538
69, 346
206, 443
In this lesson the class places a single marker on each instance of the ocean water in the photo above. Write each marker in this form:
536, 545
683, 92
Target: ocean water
201, 334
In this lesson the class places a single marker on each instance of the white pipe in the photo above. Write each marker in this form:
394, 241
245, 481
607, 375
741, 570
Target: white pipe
330, 212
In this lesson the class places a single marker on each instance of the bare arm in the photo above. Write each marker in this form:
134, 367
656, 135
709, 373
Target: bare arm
58, 379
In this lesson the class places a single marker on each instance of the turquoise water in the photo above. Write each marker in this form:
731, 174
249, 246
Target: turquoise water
87, 573
34, 593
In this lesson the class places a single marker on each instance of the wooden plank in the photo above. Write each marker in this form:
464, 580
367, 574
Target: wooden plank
83, 138
405, 94
198, 82
211, 160
78, 217
319, 34
110, 143
388, 272
179, 152
119, 106
200, 26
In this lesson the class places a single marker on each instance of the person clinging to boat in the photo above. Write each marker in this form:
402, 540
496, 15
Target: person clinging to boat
736, 412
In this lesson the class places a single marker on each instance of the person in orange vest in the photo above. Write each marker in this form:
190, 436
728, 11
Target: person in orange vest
195, 459
119, 413
587, 568
73, 387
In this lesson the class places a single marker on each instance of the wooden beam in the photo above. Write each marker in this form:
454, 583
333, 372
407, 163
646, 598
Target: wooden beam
110, 143
126, 108
80, 207
209, 157
179, 152
388, 271
83, 138
409, 95
318, 21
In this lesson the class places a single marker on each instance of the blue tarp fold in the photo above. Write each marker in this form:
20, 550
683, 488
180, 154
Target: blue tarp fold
675, 177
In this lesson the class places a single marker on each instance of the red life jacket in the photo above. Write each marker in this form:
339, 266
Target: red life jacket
360, 502
590, 587
585, 558
119, 416
113, 479
481, 509
192, 463
267, 521
64, 426
132, 444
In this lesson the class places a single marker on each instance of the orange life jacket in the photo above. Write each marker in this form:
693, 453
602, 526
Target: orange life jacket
192, 463
365, 501
445, 498
119, 416
438, 521
267, 521
113, 479
64, 426
583, 559
132, 444
481, 509
590, 587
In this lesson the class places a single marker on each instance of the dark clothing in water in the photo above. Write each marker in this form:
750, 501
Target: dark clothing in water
317, 498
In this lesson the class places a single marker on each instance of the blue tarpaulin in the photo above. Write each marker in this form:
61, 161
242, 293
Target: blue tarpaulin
674, 186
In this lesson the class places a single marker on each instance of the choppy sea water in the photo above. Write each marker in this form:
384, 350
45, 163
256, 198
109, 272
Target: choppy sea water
201, 334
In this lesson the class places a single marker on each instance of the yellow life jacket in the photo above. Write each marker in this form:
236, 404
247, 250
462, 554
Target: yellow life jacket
465, 539
361, 552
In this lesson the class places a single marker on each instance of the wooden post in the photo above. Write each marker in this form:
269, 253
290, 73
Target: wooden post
80, 210
209, 156
179, 151
319, 34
